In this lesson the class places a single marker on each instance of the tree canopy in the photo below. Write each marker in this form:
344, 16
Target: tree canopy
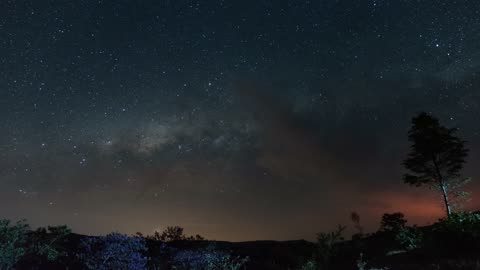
436, 156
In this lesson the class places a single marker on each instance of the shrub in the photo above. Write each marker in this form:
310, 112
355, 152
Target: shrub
362, 264
309, 265
113, 251
409, 238
393, 222
460, 223
13, 238
461, 230
49, 242
208, 259
326, 245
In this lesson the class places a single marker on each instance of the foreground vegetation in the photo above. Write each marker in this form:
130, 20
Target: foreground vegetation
450, 243
436, 158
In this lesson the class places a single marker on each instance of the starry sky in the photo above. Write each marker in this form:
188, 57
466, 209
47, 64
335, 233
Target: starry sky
237, 120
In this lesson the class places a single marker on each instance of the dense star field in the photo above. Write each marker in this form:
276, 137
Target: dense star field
237, 120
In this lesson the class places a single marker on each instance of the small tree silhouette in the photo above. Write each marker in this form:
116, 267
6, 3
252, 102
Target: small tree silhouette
355, 218
393, 222
172, 233
436, 157
326, 245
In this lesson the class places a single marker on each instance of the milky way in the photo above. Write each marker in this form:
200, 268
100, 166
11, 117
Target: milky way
237, 120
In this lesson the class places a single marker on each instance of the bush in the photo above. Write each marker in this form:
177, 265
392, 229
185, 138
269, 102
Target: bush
309, 265
49, 242
113, 251
13, 240
461, 230
326, 244
362, 264
393, 222
208, 259
460, 223
409, 238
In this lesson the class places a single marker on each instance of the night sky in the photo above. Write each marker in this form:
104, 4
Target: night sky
237, 120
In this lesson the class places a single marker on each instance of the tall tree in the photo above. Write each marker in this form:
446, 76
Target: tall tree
436, 157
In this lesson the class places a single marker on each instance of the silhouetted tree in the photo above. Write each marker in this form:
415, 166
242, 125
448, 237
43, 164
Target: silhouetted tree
196, 237
172, 233
436, 157
355, 217
326, 245
393, 222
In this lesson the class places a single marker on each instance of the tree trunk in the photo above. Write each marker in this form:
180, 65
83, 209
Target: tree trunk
442, 187
445, 200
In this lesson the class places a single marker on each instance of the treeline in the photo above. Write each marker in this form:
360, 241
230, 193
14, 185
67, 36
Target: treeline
450, 243
57, 248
